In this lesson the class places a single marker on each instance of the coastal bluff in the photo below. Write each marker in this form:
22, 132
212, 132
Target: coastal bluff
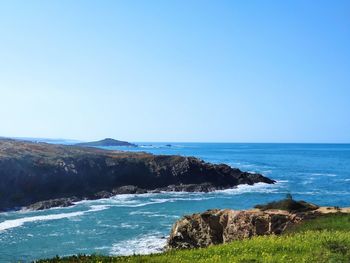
220, 226
50, 175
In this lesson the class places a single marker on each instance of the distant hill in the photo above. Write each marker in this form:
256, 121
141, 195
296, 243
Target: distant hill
106, 142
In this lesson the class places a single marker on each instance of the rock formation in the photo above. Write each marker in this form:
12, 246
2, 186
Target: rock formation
60, 202
34, 172
221, 226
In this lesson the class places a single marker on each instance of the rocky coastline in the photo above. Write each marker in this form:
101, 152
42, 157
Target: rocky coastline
41, 175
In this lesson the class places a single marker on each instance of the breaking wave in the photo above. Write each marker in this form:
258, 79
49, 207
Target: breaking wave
144, 244
13, 223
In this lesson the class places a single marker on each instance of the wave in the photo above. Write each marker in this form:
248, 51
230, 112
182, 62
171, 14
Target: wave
255, 188
13, 223
130, 201
324, 174
144, 244
141, 200
152, 214
150, 146
322, 192
126, 225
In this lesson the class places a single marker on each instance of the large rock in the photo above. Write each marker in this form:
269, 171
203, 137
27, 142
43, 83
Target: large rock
60, 202
221, 226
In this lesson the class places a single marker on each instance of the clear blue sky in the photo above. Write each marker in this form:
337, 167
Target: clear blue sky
218, 71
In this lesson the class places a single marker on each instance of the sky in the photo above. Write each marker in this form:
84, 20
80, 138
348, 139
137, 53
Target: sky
188, 71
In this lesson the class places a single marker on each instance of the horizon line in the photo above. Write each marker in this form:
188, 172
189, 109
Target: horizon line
211, 142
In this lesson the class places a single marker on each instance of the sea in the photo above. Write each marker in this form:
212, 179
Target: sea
140, 224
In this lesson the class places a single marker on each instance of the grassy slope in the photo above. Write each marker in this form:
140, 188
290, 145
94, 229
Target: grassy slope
325, 239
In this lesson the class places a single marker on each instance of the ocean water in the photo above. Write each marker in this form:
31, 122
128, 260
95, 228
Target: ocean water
129, 224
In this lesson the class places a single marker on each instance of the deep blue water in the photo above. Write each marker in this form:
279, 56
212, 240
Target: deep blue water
128, 224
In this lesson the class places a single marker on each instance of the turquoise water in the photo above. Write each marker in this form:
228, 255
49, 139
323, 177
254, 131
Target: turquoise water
128, 224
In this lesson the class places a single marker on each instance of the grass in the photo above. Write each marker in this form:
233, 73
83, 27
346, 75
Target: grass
325, 239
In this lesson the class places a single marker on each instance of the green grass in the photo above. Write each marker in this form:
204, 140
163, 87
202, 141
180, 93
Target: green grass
325, 239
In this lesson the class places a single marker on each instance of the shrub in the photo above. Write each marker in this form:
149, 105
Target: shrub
288, 204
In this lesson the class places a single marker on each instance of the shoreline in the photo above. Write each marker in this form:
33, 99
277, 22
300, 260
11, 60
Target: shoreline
41, 175
71, 201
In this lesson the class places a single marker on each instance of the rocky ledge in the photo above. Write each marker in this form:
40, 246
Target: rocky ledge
37, 172
222, 226
60, 202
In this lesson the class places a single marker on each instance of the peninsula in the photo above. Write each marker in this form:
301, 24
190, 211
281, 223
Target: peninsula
57, 175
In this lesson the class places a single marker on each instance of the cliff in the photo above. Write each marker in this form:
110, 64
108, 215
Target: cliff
35, 172
224, 226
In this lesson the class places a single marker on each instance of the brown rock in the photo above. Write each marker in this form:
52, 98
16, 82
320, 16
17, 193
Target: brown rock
222, 226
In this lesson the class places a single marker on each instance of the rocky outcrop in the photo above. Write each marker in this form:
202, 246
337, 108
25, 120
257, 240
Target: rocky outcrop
34, 172
204, 187
60, 202
128, 189
221, 226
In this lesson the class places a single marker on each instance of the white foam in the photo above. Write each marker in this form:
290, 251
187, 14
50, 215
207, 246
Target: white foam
324, 174
101, 248
13, 223
152, 146
152, 214
95, 208
255, 188
126, 225
146, 244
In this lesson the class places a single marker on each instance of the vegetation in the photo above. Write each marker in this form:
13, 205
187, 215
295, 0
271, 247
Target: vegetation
325, 239
288, 204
